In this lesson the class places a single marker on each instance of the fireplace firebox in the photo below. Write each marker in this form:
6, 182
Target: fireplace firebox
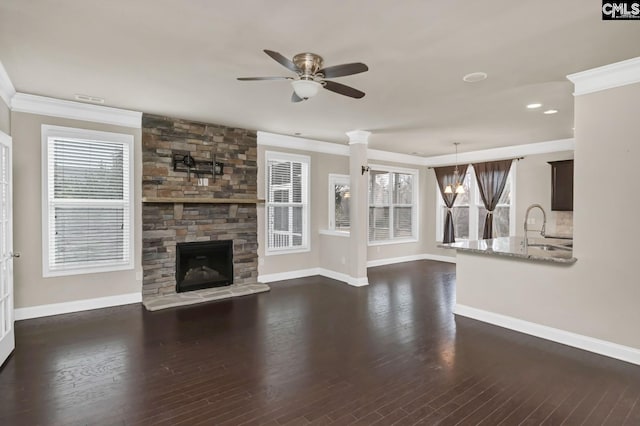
204, 264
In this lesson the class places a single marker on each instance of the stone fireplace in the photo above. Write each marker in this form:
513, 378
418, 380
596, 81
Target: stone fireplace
181, 208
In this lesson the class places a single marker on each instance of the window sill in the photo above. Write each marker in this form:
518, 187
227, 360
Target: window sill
86, 270
334, 233
390, 242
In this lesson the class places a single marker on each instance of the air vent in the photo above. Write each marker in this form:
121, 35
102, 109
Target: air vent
92, 99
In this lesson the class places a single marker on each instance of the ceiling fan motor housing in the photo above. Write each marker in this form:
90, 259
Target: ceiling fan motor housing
308, 63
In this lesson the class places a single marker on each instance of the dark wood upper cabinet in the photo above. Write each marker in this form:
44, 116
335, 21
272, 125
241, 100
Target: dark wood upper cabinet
562, 185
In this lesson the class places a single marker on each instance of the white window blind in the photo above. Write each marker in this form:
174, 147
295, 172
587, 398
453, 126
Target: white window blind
392, 205
88, 204
287, 203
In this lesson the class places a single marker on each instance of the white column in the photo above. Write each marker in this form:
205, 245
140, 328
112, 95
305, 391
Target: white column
358, 142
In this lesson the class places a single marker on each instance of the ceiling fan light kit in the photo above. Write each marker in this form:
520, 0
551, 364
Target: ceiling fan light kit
306, 89
310, 76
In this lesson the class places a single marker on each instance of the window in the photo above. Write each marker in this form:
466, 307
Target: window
469, 212
287, 203
339, 196
392, 204
87, 201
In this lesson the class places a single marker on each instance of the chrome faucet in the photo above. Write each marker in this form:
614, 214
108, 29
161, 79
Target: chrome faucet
526, 219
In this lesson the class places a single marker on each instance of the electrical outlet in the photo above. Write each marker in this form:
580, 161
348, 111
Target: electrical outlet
203, 181
344, 260
138, 276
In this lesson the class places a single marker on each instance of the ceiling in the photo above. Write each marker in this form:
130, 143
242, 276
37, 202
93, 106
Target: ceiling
182, 58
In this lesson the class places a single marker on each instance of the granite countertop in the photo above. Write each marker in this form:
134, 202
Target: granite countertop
552, 250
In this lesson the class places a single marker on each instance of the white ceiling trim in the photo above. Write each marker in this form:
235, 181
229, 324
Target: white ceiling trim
606, 77
42, 105
310, 145
302, 144
7, 91
394, 157
502, 153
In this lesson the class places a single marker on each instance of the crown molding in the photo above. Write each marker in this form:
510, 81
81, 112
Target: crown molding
7, 91
502, 153
301, 144
394, 157
606, 77
42, 105
310, 145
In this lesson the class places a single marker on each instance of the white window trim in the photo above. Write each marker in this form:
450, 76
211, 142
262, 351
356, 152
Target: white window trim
51, 132
334, 233
335, 179
473, 207
414, 210
306, 217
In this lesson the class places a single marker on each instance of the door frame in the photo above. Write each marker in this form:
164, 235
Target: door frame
7, 342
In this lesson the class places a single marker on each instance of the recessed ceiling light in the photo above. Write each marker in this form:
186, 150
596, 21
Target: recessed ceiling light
474, 77
550, 111
534, 105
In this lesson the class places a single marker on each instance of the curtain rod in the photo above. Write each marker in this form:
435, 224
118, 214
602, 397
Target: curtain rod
460, 164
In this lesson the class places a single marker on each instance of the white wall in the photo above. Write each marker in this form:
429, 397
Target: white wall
533, 183
5, 117
31, 289
597, 296
328, 251
325, 250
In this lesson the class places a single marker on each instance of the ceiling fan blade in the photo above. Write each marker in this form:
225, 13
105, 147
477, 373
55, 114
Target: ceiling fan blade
262, 78
343, 89
344, 69
286, 62
296, 98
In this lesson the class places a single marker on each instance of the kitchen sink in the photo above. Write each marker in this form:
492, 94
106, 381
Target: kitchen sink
552, 247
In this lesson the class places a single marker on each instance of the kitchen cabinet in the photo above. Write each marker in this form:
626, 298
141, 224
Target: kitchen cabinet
562, 185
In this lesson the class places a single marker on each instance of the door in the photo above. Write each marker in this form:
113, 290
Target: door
7, 339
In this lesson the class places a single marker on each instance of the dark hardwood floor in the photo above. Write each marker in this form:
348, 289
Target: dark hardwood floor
312, 351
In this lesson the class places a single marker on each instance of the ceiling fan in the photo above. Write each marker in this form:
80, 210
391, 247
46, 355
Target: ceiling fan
310, 76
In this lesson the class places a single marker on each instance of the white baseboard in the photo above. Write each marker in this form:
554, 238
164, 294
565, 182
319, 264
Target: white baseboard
76, 306
602, 347
289, 275
301, 273
356, 282
339, 276
440, 258
425, 256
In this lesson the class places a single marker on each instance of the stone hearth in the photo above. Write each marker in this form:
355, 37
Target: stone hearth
166, 224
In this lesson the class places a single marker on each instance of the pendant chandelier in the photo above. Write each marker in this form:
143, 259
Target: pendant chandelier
457, 186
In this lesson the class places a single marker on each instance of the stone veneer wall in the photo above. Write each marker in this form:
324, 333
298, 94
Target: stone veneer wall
164, 225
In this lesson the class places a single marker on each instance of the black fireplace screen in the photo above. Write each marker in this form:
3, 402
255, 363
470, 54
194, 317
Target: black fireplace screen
204, 264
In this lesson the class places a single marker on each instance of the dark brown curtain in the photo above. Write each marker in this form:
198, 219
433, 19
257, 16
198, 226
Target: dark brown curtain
492, 178
446, 176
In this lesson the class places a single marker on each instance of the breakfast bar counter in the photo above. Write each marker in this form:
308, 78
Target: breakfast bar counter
552, 250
